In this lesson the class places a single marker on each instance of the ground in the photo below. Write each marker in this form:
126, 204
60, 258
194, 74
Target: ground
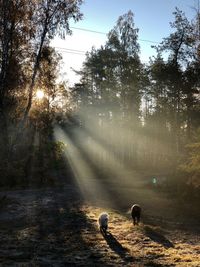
58, 227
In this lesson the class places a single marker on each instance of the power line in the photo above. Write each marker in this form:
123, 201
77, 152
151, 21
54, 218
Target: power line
71, 51
104, 33
149, 41
81, 52
88, 30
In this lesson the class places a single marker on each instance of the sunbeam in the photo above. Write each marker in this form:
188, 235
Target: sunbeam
106, 181
132, 144
85, 177
125, 139
125, 185
95, 151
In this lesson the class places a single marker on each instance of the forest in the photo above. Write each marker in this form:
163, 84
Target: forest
146, 114
125, 118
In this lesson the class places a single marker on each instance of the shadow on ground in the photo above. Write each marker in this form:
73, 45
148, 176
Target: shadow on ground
115, 246
46, 229
157, 237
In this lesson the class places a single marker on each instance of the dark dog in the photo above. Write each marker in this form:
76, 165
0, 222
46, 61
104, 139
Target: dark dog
136, 213
103, 222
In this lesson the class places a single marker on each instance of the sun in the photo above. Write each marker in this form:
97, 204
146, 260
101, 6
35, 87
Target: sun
39, 94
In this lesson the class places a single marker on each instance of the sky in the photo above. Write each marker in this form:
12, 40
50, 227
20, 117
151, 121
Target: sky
152, 17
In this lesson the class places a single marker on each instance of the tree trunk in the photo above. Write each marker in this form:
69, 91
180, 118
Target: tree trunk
4, 140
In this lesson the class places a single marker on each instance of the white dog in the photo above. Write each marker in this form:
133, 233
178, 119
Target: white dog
103, 222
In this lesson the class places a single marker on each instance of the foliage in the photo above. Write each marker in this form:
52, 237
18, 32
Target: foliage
143, 114
27, 63
191, 167
111, 75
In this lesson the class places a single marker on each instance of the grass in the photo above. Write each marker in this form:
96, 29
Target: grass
51, 228
143, 244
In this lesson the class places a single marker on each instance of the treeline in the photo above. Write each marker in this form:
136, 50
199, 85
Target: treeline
30, 95
148, 115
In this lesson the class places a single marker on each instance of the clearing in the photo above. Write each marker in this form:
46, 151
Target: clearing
58, 227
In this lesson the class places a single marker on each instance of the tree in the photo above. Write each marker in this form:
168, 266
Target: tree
189, 168
111, 88
26, 27
14, 35
179, 49
51, 18
122, 40
112, 73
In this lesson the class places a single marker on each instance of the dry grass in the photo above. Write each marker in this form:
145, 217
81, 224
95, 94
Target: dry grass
144, 245
51, 228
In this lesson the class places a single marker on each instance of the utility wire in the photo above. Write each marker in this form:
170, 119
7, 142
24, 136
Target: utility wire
70, 51
88, 30
104, 33
73, 53
81, 52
